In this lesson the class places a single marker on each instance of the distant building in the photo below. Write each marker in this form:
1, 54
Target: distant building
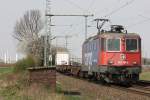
145, 61
1, 61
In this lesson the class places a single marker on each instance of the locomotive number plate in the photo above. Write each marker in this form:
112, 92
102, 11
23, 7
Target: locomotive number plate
123, 62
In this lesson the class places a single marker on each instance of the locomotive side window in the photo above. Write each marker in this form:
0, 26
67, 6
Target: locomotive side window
131, 45
103, 44
139, 44
113, 44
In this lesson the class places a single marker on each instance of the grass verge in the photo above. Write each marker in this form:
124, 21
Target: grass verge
6, 70
14, 86
145, 76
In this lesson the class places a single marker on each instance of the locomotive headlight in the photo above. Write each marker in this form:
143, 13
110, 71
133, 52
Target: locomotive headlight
123, 39
134, 63
110, 61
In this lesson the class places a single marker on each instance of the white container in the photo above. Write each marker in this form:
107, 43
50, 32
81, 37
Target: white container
62, 58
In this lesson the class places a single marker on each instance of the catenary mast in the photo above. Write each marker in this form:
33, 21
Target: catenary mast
47, 40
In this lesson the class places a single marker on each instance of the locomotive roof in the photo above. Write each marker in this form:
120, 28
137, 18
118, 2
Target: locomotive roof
113, 35
105, 35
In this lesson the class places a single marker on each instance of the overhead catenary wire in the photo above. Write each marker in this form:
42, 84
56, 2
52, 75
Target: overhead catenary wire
82, 9
91, 5
118, 0
144, 16
118, 9
73, 27
135, 24
76, 5
139, 22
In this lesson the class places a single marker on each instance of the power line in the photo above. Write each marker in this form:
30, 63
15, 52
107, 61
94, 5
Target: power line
139, 22
91, 5
77, 15
76, 5
135, 24
66, 37
73, 27
118, 9
144, 17
118, 0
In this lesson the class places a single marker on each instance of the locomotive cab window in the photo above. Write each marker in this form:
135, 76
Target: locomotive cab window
131, 45
113, 44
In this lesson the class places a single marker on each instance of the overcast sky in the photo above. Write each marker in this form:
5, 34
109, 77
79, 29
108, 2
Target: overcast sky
133, 14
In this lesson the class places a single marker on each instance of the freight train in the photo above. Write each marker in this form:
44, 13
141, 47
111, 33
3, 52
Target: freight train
112, 56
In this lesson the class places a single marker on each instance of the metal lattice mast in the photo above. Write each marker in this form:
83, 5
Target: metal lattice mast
47, 49
86, 26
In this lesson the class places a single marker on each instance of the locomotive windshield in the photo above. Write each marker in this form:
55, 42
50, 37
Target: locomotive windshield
113, 44
131, 45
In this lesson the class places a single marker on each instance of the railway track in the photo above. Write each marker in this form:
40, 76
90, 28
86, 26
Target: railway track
134, 89
140, 88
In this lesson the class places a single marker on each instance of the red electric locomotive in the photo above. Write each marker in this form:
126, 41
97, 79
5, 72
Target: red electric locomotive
113, 56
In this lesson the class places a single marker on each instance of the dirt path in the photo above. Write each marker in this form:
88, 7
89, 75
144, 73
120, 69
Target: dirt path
91, 91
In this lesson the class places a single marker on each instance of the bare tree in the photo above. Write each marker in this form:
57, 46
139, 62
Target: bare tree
26, 31
29, 26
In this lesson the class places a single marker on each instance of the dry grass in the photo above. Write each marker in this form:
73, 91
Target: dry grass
145, 75
15, 86
91, 91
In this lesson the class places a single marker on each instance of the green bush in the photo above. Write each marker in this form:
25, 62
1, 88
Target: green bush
58, 88
25, 63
